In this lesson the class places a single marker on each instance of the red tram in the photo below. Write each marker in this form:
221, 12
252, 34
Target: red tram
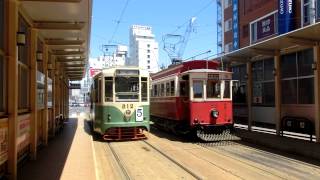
193, 96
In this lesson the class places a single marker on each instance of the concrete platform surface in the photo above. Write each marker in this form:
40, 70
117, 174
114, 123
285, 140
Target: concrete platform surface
69, 155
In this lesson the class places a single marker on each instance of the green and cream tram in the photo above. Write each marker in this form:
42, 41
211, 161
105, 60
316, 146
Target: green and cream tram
120, 103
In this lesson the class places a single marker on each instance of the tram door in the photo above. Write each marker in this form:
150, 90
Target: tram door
184, 94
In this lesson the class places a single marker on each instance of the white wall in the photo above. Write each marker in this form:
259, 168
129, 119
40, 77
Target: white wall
144, 50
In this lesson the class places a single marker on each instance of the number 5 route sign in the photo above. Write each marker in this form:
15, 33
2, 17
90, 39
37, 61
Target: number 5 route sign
139, 114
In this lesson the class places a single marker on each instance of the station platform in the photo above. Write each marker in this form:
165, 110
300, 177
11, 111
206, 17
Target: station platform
68, 156
301, 148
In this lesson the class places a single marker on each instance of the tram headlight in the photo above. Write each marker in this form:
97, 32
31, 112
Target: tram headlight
215, 113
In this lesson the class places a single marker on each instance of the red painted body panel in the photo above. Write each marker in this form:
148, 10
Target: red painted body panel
202, 112
174, 108
181, 109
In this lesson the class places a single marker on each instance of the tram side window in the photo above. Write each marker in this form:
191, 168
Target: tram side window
168, 89
155, 90
162, 90
144, 89
172, 88
213, 89
99, 90
198, 89
108, 89
96, 90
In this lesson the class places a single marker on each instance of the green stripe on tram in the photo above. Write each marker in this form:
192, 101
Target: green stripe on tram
118, 119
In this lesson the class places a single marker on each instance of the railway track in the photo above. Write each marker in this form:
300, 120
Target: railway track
174, 161
267, 162
124, 173
127, 173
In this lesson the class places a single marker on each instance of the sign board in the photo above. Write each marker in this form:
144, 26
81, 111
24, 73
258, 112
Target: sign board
49, 92
139, 114
286, 16
266, 27
93, 72
235, 24
74, 86
3, 144
23, 132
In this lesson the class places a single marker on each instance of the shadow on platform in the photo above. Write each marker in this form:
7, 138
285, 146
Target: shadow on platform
51, 159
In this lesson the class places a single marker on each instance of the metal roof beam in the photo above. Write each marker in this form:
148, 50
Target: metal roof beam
60, 1
49, 25
65, 60
63, 42
266, 52
67, 53
75, 65
236, 59
302, 41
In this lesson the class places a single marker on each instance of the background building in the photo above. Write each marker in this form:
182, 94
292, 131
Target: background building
143, 48
272, 48
244, 22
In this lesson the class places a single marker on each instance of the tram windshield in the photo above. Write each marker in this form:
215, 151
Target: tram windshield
215, 89
127, 88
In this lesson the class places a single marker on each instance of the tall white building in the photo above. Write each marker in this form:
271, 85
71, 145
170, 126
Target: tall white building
143, 48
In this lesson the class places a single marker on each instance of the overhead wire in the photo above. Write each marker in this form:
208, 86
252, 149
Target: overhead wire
196, 14
118, 21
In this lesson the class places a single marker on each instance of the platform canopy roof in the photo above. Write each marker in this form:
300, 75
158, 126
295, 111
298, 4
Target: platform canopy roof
307, 36
65, 27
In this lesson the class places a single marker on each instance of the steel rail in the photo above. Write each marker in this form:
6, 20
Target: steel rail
174, 161
119, 162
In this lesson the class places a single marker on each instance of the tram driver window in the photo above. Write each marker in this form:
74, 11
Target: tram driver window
198, 89
213, 89
108, 91
226, 93
144, 89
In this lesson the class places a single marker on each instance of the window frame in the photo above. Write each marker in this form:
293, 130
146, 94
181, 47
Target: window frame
112, 89
297, 78
228, 25
23, 24
142, 81
3, 85
261, 83
193, 89
253, 27
227, 3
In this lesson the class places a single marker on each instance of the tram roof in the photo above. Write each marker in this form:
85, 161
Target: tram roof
185, 66
111, 71
206, 71
301, 38
64, 26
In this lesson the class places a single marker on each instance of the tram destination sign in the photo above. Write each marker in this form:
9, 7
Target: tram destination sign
127, 72
213, 77
217, 77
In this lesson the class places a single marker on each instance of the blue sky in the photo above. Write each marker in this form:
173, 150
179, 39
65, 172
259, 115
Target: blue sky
164, 16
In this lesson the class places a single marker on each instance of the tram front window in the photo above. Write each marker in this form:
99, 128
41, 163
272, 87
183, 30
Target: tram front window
197, 89
127, 88
213, 89
226, 93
